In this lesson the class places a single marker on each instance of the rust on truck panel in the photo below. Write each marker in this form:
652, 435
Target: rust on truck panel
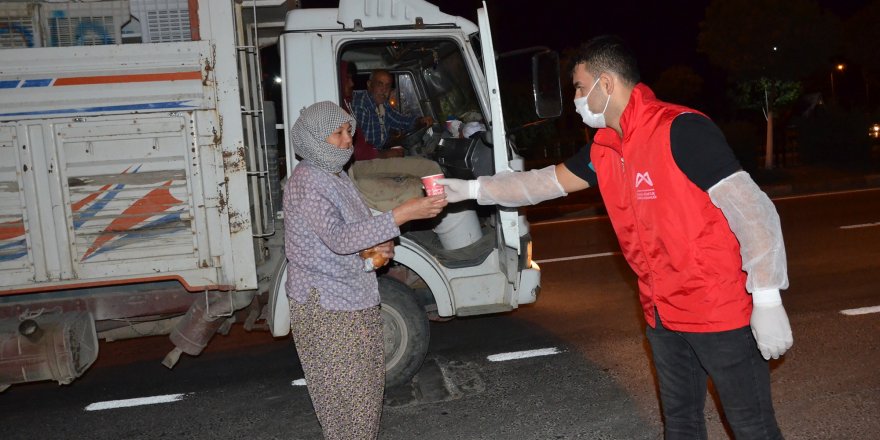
218, 134
238, 222
9, 187
234, 161
206, 81
109, 302
78, 285
221, 197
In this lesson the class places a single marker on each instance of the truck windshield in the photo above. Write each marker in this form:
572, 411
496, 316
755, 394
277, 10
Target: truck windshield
448, 83
430, 74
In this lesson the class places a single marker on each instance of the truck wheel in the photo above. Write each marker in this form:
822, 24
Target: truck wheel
406, 332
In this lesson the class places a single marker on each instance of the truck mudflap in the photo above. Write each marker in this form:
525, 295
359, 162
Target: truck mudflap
46, 346
202, 320
529, 285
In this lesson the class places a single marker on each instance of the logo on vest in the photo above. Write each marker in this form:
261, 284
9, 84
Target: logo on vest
645, 187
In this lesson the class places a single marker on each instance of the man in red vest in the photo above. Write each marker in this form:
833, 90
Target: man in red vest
704, 240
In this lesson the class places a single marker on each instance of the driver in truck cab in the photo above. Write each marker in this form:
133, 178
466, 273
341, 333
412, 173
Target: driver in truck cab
374, 114
391, 178
363, 150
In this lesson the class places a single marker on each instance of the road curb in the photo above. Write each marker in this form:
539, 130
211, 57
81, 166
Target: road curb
838, 184
539, 214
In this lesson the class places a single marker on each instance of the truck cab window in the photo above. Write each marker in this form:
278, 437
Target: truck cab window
431, 77
404, 97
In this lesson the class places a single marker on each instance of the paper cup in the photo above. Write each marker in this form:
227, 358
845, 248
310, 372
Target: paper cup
454, 128
432, 188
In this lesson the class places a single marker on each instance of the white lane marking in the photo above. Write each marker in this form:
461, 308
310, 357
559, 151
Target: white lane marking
831, 193
298, 383
803, 196
523, 354
861, 311
126, 403
863, 225
569, 220
578, 257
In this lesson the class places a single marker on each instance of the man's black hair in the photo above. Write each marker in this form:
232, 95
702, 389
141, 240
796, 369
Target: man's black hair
608, 53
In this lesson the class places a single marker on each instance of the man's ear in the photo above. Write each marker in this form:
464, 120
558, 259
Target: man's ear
607, 82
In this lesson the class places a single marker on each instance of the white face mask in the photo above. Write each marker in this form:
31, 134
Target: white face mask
595, 120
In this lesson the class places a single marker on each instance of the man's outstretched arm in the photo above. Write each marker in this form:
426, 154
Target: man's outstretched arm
514, 189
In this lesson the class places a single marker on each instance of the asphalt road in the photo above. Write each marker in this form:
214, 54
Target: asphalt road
594, 380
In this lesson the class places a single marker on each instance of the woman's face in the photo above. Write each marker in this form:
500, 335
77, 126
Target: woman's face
341, 138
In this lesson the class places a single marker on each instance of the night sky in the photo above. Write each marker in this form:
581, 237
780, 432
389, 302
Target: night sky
662, 33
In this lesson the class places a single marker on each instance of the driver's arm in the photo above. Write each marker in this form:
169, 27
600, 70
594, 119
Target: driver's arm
391, 152
399, 121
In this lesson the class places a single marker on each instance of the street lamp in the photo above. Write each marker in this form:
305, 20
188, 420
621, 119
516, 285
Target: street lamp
840, 67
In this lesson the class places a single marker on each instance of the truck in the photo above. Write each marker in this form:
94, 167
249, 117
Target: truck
141, 170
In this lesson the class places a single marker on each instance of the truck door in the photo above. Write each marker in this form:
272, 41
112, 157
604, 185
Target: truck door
16, 265
127, 187
507, 217
89, 198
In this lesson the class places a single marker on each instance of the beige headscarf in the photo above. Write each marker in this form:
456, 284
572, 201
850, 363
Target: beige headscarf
310, 132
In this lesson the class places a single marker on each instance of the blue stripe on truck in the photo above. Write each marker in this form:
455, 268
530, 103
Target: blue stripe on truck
108, 108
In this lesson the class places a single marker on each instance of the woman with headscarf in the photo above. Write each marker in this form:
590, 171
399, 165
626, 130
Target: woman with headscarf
334, 310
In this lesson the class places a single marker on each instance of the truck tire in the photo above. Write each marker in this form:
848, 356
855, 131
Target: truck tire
405, 332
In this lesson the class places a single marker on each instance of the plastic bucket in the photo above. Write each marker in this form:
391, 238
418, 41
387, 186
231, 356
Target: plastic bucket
458, 229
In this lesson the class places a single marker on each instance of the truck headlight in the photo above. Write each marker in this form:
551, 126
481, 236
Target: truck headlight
525, 256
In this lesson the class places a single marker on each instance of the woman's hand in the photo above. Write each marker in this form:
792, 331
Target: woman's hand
386, 250
380, 254
419, 208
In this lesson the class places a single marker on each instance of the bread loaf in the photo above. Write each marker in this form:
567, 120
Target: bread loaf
372, 257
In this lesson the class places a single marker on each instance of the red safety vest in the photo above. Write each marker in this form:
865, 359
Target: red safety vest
679, 244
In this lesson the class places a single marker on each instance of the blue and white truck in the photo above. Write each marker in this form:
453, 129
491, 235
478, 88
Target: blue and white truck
140, 174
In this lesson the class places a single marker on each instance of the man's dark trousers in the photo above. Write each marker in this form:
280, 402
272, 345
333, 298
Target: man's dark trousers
740, 375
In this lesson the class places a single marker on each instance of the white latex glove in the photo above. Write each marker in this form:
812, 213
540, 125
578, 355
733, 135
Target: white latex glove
507, 188
770, 325
458, 190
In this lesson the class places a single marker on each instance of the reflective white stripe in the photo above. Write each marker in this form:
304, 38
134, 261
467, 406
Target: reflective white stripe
569, 220
830, 193
578, 257
125, 403
861, 311
863, 225
523, 354
298, 383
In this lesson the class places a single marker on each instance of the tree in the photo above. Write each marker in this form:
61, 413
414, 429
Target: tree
767, 47
767, 94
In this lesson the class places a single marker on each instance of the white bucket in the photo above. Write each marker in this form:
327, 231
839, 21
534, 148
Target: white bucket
458, 229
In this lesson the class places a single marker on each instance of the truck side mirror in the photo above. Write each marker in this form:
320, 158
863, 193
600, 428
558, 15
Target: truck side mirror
545, 84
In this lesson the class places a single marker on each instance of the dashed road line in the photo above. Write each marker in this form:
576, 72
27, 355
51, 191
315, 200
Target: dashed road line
501, 357
140, 401
861, 311
823, 194
863, 225
578, 257
569, 220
